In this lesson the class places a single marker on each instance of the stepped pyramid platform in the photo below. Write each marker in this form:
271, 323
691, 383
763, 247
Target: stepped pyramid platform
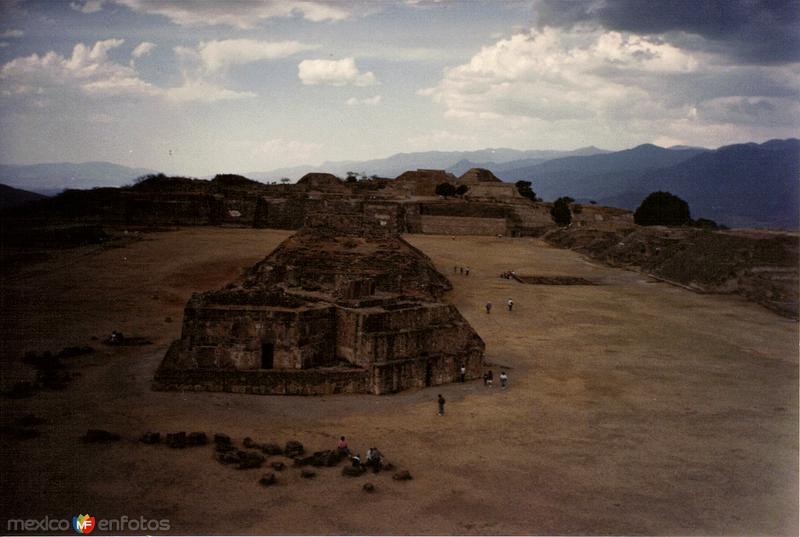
345, 305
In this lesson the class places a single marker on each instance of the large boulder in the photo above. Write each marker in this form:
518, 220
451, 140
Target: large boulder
353, 471
268, 479
271, 449
196, 439
150, 438
293, 449
176, 440
402, 475
250, 459
100, 436
220, 438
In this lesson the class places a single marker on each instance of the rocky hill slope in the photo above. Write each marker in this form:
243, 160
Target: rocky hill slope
760, 266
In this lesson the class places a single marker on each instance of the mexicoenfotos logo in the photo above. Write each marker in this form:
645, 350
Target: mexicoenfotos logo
86, 524
83, 524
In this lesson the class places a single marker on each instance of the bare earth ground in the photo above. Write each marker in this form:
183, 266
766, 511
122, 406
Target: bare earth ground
634, 407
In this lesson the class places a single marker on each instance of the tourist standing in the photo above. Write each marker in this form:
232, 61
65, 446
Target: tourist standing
510, 304
343, 449
490, 378
488, 307
463, 373
503, 379
441, 405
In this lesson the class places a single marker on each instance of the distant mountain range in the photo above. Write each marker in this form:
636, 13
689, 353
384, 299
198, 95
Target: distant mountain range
437, 160
743, 185
50, 179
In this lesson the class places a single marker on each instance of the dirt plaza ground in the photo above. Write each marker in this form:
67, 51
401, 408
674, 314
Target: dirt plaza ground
634, 407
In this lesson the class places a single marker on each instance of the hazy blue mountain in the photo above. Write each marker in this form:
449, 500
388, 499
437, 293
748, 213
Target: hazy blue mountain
54, 177
12, 197
465, 165
571, 173
742, 185
440, 160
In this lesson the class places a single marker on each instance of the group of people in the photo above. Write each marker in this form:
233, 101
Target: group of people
509, 304
461, 270
508, 275
374, 458
488, 378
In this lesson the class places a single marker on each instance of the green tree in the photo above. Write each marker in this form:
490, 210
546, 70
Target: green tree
524, 189
445, 189
662, 209
560, 211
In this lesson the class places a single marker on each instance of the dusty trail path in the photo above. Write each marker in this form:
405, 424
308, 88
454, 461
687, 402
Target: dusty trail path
634, 407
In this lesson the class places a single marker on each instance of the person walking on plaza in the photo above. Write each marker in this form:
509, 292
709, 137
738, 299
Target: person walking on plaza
503, 379
463, 373
441, 405
488, 307
510, 304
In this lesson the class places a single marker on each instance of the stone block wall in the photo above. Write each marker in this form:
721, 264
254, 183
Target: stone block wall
321, 381
180, 208
239, 210
423, 371
231, 337
383, 219
279, 213
368, 337
412, 218
463, 225
493, 190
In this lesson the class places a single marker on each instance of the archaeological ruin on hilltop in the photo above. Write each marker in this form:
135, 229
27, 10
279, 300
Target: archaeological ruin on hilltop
344, 305
488, 207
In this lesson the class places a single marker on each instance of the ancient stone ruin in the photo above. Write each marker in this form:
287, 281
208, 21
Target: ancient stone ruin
344, 305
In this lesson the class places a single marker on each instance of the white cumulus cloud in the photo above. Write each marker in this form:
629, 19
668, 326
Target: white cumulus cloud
218, 55
205, 92
143, 49
334, 73
88, 69
91, 72
88, 6
553, 75
242, 14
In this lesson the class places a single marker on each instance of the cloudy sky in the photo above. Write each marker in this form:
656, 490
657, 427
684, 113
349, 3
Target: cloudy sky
205, 87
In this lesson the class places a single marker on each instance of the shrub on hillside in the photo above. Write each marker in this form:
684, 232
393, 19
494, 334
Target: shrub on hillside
560, 211
662, 209
445, 189
524, 189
